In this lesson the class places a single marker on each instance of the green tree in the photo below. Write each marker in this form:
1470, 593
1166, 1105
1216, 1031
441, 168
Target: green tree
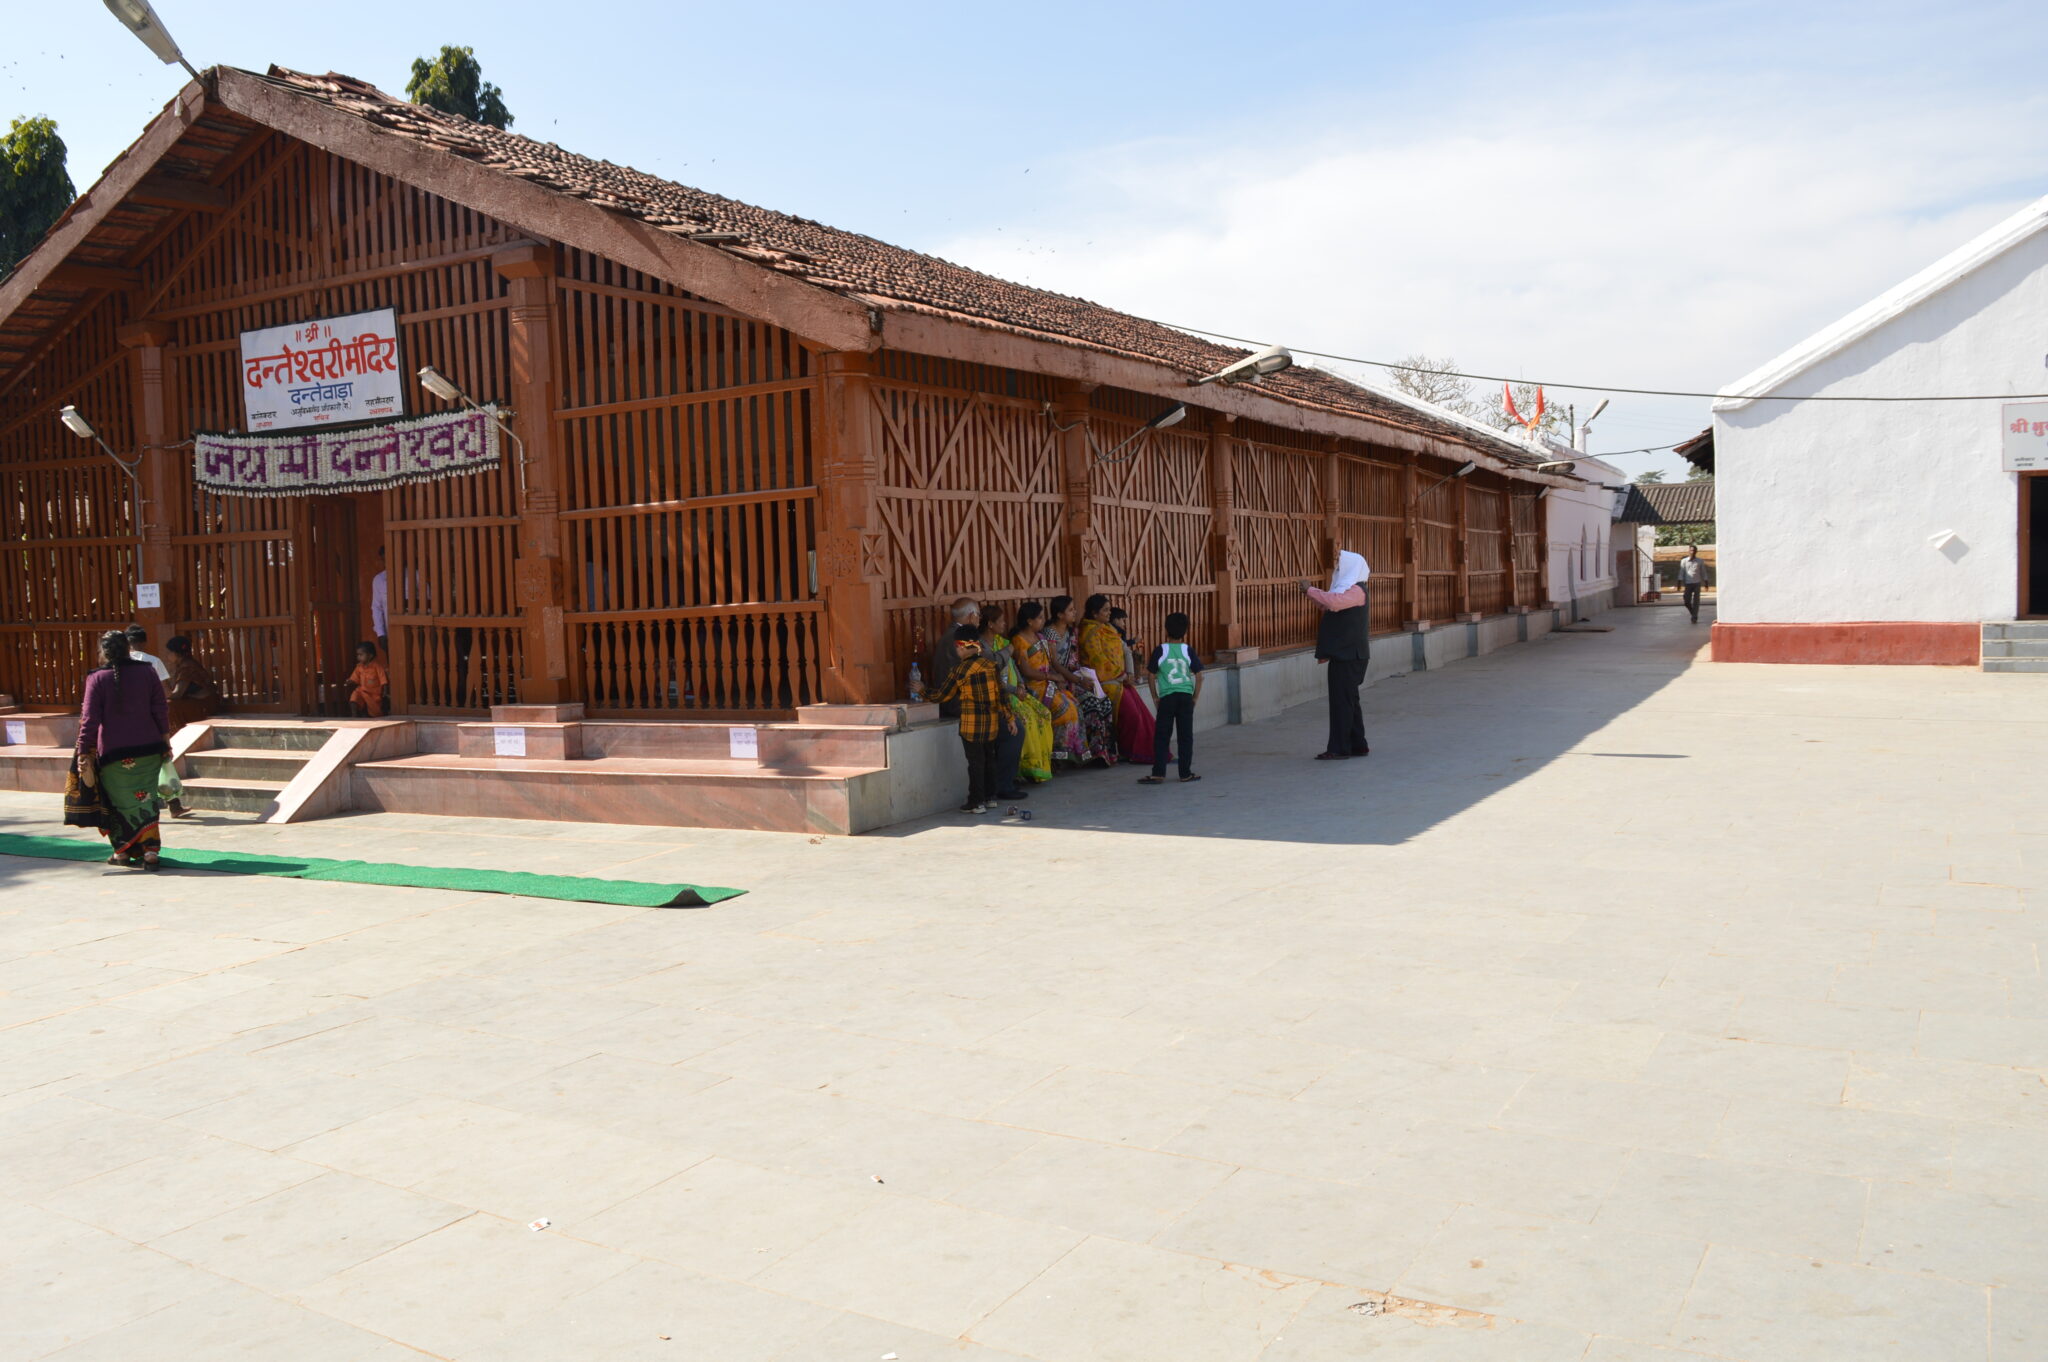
35, 189
1654, 475
454, 83
1699, 475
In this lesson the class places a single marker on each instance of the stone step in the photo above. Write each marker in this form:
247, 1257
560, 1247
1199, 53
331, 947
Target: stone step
240, 795
256, 763
2016, 664
661, 792
271, 737
2015, 647
2029, 630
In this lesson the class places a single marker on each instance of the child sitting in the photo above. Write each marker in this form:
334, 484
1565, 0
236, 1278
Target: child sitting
367, 684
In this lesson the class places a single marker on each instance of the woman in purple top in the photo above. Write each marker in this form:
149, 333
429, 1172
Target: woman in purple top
125, 725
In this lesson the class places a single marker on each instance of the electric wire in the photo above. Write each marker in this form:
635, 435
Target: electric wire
1608, 388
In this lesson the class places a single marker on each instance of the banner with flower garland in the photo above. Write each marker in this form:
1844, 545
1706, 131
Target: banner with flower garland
320, 462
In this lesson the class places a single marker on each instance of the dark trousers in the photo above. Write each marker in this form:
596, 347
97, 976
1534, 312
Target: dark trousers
1347, 715
981, 769
1691, 596
1009, 756
1176, 716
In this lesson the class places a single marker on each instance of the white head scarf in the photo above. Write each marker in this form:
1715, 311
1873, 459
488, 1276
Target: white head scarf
1351, 571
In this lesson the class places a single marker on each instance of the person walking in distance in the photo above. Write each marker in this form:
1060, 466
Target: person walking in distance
1176, 684
1692, 578
1343, 644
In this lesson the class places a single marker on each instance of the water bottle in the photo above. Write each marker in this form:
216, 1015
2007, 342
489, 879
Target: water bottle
916, 685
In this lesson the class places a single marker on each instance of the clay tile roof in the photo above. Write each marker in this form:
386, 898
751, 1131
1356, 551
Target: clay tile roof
1678, 503
874, 272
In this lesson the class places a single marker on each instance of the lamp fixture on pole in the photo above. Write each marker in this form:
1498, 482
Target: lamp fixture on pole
1471, 466
441, 386
75, 422
138, 18
1251, 368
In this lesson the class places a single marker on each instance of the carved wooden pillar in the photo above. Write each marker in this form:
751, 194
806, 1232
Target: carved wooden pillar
1080, 542
1463, 548
156, 559
538, 576
1333, 501
1411, 537
1226, 554
851, 576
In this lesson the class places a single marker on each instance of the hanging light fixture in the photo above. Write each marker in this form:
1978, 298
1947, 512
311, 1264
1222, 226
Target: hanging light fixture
138, 18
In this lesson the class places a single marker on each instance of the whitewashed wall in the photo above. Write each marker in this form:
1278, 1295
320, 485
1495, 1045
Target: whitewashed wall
1582, 515
1826, 509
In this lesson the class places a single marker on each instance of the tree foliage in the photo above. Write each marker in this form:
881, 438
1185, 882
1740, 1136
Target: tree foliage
1425, 378
454, 83
35, 189
1685, 534
1654, 475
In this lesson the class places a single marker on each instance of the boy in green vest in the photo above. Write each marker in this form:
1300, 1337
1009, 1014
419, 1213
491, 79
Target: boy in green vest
1176, 684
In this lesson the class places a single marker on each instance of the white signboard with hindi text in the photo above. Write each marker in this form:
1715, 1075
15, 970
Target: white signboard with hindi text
323, 372
17, 732
149, 596
2026, 437
508, 742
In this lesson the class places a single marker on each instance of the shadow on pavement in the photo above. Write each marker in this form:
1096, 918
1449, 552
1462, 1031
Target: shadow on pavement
1442, 742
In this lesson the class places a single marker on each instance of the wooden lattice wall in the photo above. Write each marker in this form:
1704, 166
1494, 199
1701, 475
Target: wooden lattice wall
689, 510
66, 518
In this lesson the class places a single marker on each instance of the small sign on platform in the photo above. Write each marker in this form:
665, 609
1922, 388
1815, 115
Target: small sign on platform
2025, 437
149, 596
744, 744
508, 742
17, 733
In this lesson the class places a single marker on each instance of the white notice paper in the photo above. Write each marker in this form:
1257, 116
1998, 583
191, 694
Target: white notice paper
508, 742
17, 732
744, 743
149, 596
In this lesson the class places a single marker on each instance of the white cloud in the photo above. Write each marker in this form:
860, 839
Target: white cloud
1617, 235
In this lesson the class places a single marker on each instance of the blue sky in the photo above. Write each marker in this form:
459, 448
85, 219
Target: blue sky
1650, 195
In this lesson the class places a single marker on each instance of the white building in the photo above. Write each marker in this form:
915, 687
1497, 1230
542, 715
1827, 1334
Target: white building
1581, 519
1892, 531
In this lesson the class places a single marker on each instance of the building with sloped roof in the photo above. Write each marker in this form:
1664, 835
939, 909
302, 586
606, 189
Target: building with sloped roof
744, 461
1895, 530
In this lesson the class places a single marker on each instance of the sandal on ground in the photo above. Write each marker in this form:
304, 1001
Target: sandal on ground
1333, 756
1152, 780
1185, 779
150, 860
118, 859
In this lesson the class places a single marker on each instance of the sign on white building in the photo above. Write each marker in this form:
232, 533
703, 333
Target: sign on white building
2026, 437
323, 372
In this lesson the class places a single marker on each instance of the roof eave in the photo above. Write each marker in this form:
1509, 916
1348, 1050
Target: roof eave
106, 194
1832, 340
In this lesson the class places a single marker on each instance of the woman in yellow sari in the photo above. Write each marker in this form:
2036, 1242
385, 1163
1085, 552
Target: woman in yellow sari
1102, 648
1034, 658
1034, 763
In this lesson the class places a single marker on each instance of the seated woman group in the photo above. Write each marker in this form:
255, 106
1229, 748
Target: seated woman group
1070, 676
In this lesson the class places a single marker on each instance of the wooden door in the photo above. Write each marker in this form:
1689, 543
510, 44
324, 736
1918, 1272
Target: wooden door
332, 610
2033, 602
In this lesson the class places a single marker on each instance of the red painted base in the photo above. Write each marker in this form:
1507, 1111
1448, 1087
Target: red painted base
1922, 643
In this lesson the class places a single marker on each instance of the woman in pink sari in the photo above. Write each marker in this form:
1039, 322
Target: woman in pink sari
1133, 716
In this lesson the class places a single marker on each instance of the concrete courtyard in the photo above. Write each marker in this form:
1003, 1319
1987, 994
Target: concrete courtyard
1621, 1007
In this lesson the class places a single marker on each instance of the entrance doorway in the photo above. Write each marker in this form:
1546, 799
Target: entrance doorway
343, 535
2034, 545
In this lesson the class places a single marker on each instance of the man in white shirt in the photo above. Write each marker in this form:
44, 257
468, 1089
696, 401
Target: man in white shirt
137, 637
380, 606
1692, 578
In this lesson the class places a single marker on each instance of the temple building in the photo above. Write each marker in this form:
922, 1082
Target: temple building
591, 451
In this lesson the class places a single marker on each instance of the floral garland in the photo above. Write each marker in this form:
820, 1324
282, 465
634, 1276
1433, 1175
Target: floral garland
361, 459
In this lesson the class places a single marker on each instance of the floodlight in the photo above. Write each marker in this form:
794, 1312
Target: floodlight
77, 424
1172, 416
436, 383
1468, 470
138, 18
441, 386
1251, 368
1556, 466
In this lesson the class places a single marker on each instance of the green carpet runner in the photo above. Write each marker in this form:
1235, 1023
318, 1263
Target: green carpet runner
570, 888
